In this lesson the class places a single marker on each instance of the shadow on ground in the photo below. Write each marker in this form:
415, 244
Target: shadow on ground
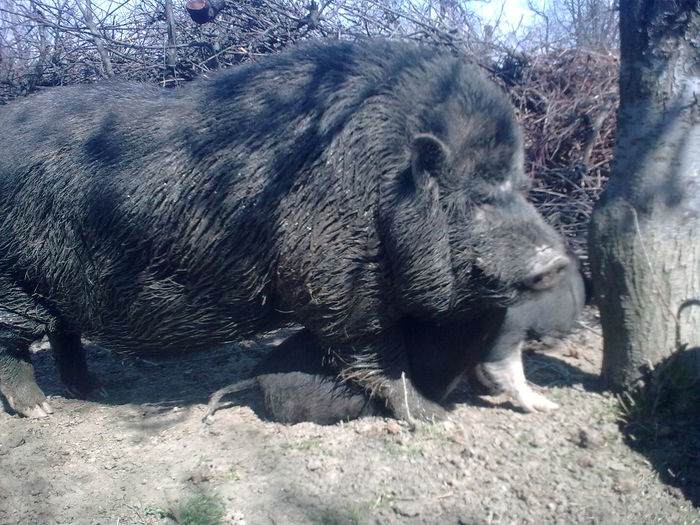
162, 382
546, 371
166, 382
540, 369
662, 421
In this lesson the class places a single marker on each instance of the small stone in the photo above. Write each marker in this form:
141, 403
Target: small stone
199, 475
448, 426
459, 463
624, 484
314, 464
613, 464
586, 462
234, 517
10, 441
407, 509
393, 427
468, 452
589, 438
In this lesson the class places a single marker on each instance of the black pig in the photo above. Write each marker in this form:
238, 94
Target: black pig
299, 382
354, 188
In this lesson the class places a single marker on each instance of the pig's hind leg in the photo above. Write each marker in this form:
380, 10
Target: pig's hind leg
17, 380
71, 362
24, 320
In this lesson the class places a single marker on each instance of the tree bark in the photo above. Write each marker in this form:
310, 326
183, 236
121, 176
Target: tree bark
171, 54
97, 40
644, 236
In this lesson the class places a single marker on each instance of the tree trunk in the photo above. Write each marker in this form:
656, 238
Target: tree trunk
644, 238
171, 54
97, 40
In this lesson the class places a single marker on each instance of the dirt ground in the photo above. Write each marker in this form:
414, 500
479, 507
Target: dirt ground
144, 455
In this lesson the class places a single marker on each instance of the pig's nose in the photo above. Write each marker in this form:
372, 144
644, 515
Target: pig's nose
547, 269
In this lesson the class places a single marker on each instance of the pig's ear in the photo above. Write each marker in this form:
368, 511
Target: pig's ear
415, 234
429, 156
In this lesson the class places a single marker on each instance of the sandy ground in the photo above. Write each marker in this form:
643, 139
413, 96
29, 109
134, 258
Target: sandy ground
144, 455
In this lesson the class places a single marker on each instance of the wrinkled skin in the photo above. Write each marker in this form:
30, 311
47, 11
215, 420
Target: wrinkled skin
345, 187
299, 382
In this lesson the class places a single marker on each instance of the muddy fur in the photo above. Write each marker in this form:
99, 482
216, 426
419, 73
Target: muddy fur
346, 187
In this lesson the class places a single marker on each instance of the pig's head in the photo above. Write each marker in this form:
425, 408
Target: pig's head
459, 233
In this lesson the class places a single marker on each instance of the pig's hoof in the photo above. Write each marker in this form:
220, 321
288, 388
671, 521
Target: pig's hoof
29, 401
85, 387
35, 412
430, 411
419, 413
409, 405
507, 376
531, 401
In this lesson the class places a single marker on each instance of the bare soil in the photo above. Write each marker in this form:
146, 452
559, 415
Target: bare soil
144, 455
